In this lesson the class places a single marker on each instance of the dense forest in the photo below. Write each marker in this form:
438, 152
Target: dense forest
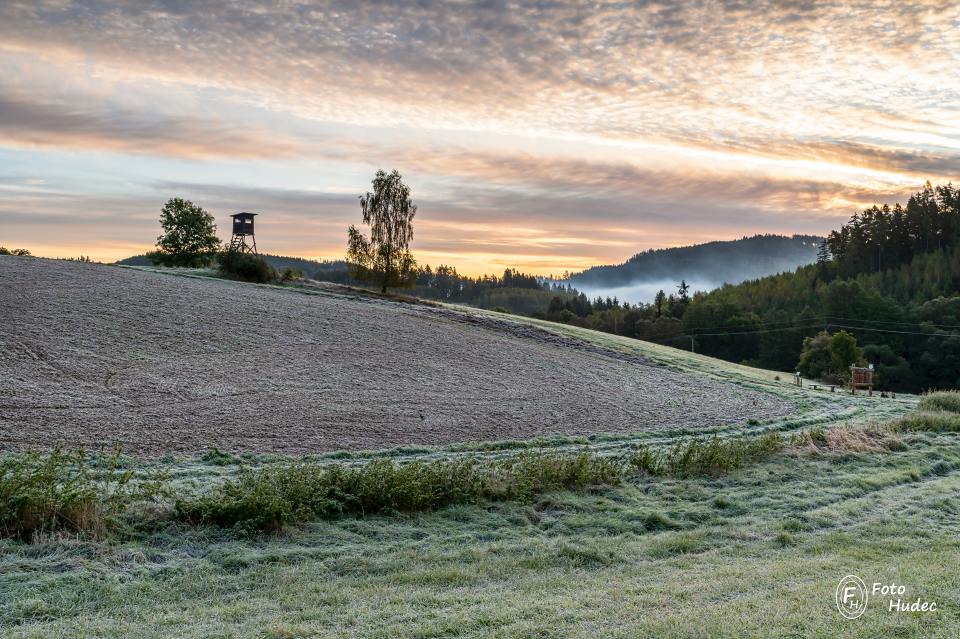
717, 262
890, 277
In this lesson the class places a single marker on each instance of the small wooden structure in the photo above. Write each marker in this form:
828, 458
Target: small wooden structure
242, 229
861, 377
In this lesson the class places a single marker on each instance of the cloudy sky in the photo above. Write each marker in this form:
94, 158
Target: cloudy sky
541, 135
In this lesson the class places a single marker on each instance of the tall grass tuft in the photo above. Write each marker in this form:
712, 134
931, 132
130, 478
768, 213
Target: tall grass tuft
941, 400
44, 493
928, 420
270, 498
714, 456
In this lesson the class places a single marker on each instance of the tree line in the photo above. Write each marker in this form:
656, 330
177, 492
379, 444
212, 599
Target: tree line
881, 238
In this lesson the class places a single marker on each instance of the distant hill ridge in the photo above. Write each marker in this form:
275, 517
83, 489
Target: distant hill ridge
722, 261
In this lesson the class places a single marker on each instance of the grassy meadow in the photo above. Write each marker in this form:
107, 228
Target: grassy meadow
745, 532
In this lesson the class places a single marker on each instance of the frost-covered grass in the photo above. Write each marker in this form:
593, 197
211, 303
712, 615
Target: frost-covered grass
941, 400
744, 529
756, 552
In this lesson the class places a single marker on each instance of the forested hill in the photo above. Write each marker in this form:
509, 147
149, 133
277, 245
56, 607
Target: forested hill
890, 277
732, 261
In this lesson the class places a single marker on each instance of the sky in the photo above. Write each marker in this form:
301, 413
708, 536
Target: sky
545, 136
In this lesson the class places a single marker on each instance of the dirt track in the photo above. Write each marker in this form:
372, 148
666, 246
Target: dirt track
93, 355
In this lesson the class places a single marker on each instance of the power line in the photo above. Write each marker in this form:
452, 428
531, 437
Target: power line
686, 336
853, 319
800, 324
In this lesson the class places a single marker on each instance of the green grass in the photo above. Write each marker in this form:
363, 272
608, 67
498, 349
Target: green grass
937, 421
737, 530
713, 456
941, 400
271, 497
755, 552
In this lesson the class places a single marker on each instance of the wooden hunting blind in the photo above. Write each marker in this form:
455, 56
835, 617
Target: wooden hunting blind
861, 377
242, 229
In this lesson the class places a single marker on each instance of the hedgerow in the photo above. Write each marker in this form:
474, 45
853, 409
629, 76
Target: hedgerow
271, 497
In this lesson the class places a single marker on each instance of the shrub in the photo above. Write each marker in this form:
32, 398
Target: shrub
942, 400
17, 252
935, 421
66, 491
247, 267
272, 497
289, 274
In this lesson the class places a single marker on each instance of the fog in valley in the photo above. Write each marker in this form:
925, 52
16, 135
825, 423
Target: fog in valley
703, 266
644, 292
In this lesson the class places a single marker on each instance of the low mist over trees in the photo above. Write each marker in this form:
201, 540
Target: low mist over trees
716, 262
189, 236
385, 257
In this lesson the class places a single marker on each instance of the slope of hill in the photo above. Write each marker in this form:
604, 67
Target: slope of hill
158, 363
716, 262
166, 363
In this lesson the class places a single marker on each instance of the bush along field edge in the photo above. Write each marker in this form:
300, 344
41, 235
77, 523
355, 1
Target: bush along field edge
101, 495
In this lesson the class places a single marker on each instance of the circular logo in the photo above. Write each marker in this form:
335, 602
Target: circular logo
851, 597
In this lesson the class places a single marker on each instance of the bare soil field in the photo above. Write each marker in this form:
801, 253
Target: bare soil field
94, 355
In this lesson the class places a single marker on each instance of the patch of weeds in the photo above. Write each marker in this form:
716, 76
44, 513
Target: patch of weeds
699, 457
846, 440
68, 491
722, 503
269, 498
794, 525
584, 556
942, 468
682, 543
658, 521
938, 421
784, 539
217, 457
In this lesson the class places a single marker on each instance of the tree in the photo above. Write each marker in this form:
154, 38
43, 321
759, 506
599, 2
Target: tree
823, 253
815, 359
659, 299
683, 292
829, 357
189, 236
844, 352
385, 257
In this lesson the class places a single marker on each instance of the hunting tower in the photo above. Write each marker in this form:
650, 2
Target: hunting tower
242, 229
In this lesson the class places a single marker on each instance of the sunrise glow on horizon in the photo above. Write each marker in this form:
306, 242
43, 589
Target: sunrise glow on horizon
540, 137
